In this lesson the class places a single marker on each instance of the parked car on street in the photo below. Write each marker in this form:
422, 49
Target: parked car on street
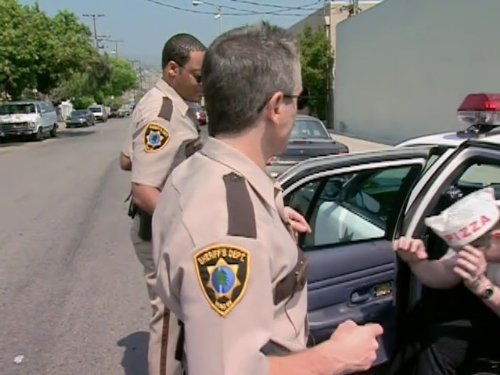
80, 117
201, 114
100, 112
358, 203
36, 119
124, 111
309, 138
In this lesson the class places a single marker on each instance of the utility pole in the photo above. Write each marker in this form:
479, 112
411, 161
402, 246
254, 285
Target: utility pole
353, 8
94, 16
217, 16
115, 41
139, 71
329, 83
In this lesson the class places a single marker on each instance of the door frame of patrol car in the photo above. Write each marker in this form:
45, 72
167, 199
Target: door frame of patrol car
336, 293
412, 225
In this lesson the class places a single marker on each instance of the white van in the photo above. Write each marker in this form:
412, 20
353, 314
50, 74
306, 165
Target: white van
34, 118
99, 111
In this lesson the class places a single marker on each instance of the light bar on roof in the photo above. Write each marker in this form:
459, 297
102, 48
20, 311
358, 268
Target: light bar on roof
480, 109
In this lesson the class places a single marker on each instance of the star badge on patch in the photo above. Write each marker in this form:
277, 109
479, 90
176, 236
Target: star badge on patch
155, 138
223, 272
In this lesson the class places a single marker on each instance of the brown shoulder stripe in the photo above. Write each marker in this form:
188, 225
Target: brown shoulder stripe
164, 341
240, 211
166, 109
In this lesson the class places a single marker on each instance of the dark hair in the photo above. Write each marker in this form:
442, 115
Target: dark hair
242, 69
178, 48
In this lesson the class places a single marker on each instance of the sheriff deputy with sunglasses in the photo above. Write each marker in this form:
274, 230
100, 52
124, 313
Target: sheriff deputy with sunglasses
164, 131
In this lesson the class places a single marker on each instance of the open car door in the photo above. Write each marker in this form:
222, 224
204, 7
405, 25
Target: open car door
353, 203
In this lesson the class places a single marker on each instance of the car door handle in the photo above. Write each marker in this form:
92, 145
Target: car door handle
358, 297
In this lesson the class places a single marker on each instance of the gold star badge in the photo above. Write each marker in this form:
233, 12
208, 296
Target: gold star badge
219, 280
223, 272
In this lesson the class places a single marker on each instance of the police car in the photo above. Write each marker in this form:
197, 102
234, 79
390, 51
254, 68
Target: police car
358, 203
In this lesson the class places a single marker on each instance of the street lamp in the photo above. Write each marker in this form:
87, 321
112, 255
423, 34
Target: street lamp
217, 16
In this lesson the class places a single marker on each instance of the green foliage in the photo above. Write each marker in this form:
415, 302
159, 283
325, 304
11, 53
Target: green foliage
88, 82
317, 62
123, 77
82, 102
114, 101
56, 57
38, 52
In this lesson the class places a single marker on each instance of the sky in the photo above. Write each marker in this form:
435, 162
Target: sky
145, 25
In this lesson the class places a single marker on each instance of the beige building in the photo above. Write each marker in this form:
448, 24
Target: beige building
403, 68
333, 13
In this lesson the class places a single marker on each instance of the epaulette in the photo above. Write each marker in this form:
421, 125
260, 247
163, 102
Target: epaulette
240, 211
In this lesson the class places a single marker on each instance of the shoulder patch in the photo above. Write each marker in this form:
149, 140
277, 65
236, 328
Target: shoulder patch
223, 272
240, 211
155, 138
166, 109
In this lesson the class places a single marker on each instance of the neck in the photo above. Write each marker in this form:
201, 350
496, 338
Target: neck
250, 143
167, 79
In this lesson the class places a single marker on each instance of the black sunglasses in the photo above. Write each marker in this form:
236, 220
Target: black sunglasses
302, 100
197, 77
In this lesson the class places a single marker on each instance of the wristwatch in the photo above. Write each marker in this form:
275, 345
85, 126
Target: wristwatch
487, 293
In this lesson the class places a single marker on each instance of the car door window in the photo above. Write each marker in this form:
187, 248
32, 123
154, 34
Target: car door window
480, 175
471, 177
350, 207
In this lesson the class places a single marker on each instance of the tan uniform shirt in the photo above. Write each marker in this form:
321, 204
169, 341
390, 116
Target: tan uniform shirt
165, 133
127, 144
221, 248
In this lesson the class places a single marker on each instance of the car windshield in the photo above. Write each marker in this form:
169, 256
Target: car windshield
81, 112
308, 129
95, 109
15, 109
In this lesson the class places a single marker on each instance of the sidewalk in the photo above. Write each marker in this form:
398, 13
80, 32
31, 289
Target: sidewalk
356, 144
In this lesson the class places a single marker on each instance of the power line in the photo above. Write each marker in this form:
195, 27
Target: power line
282, 7
253, 11
240, 13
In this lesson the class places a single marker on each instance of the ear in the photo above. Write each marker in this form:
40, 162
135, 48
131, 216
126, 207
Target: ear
495, 233
274, 107
172, 69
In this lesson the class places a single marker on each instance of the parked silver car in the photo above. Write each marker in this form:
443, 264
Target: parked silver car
100, 112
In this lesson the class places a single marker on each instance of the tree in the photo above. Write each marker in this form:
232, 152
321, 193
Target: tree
16, 56
39, 52
87, 83
123, 77
316, 61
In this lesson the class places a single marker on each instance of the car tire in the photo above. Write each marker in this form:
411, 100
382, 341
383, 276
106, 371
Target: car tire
38, 136
53, 131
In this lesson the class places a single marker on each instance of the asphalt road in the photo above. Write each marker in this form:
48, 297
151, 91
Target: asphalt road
72, 296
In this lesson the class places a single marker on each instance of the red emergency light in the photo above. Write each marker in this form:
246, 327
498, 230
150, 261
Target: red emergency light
480, 109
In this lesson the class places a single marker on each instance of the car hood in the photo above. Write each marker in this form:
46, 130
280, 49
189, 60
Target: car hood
18, 118
299, 150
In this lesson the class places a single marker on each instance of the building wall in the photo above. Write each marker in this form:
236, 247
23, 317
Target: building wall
403, 67
338, 13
